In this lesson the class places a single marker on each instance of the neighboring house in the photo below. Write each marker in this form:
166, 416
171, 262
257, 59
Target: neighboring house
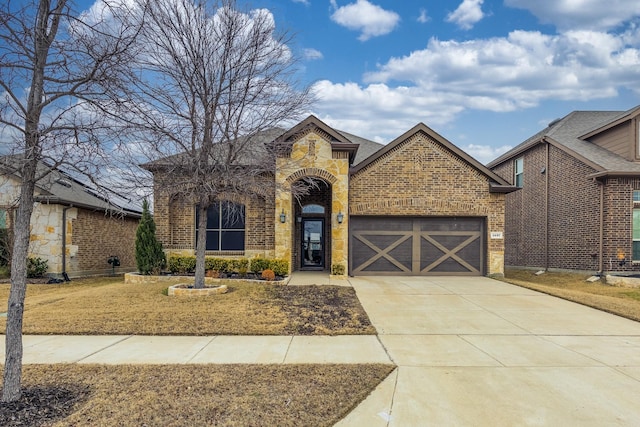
579, 205
417, 206
73, 226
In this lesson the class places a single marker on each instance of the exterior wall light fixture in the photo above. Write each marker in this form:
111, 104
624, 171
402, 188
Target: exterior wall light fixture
340, 217
283, 217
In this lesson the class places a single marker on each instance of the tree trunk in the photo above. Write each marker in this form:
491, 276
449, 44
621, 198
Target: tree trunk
201, 246
11, 388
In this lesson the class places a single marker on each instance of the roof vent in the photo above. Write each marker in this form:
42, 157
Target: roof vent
553, 122
64, 182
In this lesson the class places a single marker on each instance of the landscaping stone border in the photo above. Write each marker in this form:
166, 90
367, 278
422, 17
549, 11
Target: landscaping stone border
135, 278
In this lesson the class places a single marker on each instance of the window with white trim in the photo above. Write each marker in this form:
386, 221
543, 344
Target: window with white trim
225, 227
518, 172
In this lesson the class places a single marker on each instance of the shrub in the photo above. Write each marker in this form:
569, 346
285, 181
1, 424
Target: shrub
217, 264
150, 258
233, 266
4, 271
36, 267
279, 266
5, 247
182, 264
243, 267
337, 269
259, 264
268, 275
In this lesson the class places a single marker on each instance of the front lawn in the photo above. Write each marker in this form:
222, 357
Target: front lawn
191, 395
624, 302
104, 306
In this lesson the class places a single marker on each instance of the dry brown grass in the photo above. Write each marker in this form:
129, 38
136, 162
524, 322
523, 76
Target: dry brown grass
102, 306
574, 287
198, 395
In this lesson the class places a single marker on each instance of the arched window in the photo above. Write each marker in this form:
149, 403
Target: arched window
316, 209
225, 227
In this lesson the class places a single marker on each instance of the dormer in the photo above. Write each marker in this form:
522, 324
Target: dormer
620, 135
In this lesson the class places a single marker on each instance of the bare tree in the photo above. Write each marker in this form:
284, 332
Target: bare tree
54, 66
212, 82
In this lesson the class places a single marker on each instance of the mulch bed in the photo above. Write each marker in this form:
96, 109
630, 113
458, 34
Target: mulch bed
42, 405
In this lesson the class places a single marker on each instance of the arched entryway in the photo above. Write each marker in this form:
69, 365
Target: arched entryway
312, 230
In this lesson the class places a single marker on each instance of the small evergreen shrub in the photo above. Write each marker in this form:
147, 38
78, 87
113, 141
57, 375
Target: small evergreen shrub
187, 265
279, 266
150, 258
258, 265
217, 264
268, 275
36, 267
182, 264
5, 250
337, 269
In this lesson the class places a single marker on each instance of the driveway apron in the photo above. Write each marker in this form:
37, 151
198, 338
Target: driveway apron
475, 351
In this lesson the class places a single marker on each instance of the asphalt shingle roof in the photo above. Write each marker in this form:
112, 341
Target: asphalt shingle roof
567, 132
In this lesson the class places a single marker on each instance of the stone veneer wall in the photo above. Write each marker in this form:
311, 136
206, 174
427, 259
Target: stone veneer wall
420, 177
312, 156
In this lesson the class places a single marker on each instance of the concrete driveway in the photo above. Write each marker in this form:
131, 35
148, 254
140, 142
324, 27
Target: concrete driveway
479, 352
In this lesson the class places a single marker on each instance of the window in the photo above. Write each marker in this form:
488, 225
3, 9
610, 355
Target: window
3, 218
317, 209
518, 171
636, 235
636, 197
225, 227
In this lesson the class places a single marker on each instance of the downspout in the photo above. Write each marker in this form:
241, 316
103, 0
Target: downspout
64, 241
601, 237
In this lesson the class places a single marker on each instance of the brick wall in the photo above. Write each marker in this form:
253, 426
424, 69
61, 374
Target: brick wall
175, 224
99, 235
574, 220
618, 223
566, 220
420, 177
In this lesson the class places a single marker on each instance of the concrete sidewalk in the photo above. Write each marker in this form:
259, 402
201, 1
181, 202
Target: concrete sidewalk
136, 349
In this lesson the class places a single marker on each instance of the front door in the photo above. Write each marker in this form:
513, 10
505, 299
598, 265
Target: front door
312, 255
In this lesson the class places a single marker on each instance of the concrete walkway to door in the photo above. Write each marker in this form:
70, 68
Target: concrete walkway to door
480, 352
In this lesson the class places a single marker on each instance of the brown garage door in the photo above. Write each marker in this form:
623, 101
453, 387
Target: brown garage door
416, 246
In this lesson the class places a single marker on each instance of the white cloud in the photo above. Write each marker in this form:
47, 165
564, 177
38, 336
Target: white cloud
312, 54
304, 2
485, 153
584, 14
467, 14
370, 19
423, 17
503, 74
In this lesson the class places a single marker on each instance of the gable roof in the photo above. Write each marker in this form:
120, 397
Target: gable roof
497, 184
58, 187
569, 134
339, 140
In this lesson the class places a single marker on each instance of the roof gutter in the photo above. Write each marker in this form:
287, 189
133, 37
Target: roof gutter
59, 201
499, 188
604, 174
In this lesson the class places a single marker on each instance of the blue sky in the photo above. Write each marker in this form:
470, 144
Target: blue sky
485, 74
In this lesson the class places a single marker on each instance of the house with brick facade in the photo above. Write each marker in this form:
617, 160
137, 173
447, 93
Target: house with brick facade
578, 207
416, 206
73, 226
